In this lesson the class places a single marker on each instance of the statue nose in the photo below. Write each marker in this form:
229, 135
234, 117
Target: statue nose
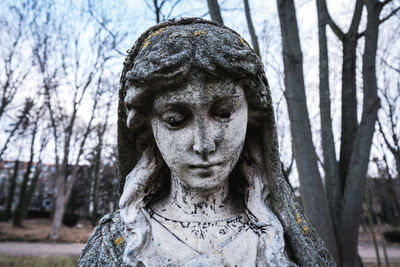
204, 142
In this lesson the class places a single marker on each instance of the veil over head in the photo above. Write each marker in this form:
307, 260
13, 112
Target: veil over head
163, 57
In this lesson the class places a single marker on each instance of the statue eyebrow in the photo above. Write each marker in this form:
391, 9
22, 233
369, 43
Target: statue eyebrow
164, 107
185, 101
235, 97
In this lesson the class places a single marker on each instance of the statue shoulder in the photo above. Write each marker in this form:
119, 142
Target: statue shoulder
106, 245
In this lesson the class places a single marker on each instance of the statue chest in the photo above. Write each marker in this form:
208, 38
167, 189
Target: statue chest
167, 247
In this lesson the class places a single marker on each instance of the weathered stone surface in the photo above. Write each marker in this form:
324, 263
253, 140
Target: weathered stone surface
199, 160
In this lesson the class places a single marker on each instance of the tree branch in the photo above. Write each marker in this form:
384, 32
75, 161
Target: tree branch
355, 22
390, 14
328, 19
107, 30
361, 34
385, 2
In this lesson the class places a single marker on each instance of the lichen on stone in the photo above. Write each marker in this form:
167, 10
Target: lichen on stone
119, 240
147, 40
242, 40
196, 33
305, 228
298, 218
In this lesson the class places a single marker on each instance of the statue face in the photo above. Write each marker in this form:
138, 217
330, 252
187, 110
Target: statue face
200, 130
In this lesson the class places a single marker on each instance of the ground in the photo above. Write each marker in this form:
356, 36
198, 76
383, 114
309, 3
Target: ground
39, 251
37, 230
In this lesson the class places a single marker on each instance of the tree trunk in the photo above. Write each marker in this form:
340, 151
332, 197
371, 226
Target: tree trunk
330, 164
349, 106
20, 211
57, 217
356, 177
96, 171
215, 12
11, 190
156, 10
371, 227
312, 192
349, 95
59, 201
252, 32
396, 156
32, 188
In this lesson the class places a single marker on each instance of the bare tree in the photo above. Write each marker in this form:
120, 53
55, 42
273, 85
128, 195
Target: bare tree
390, 112
98, 150
340, 226
13, 74
23, 192
72, 60
312, 191
36, 175
66, 180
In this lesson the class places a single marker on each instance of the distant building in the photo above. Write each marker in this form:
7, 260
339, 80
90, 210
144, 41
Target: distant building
42, 199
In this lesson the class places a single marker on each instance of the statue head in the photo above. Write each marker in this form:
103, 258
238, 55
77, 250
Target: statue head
181, 54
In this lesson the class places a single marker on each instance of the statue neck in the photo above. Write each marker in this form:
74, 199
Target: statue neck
191, 204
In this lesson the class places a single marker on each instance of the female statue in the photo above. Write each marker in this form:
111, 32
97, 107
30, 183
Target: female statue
199, 160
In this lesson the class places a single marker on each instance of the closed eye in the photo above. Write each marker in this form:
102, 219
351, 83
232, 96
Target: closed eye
174, 118
223, 115
223, 110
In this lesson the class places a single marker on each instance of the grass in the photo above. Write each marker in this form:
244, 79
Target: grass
392, 264
37, 230
34, 261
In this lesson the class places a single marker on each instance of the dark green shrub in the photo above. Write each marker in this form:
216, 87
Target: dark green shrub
392, 236
70, 219
3, 216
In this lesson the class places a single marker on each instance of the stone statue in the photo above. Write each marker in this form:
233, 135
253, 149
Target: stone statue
198, 160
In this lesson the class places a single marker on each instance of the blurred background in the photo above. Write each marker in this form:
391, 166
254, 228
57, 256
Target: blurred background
334, 72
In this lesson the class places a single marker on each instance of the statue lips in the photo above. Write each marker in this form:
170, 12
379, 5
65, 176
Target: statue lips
205, 169
204, 165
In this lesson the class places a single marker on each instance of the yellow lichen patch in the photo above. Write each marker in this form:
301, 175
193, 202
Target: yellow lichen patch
241, 40
298, 218
119, 240
305, 228
146, 42
196, 33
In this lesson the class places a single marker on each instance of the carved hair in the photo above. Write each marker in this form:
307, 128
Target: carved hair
165, 56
